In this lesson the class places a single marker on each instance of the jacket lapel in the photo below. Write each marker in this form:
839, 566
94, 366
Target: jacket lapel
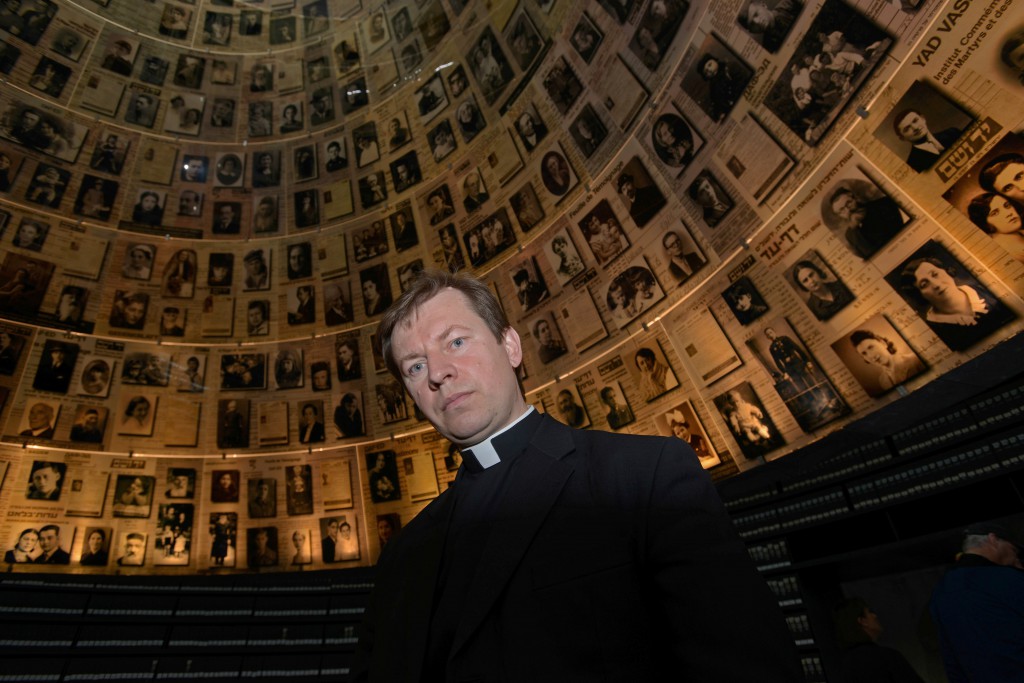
535, 483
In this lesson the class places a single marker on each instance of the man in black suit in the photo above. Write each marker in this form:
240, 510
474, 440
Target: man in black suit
870, 224
49, 542
557, 554
644, 203
911, 126
40, 423
681, 264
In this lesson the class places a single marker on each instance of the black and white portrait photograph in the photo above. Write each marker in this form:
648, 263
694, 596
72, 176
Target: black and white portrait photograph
133, 496
838, 52
431, 98
682, 254
489, 66
383, 474
109, 153
232, 428
863, 215
530, 128
528, 283
586, 38
818, 286
376, 31
562, 85
675, 141
878, 356
301, 305
31, 235
632, 292
372, 189
348, 416
56, 366
298, 484
639, 192
11, 346
304, 163
442, 140
617, 412
797, 377
306, 209
262, 497
39, 421
261, 542
527, 207
136, 414
549, 340
175, 20
469, 119
748, 420
354, 96
283, 29
370, 241
403, 228
716, 78
181, 482
23, 283
266, 168
90, 423
523, 39
185, 114
173, 532
451, 251
923, 126
656, 30
47, 185
711, 198
769, 21
651, 372
744, 300
50, 77
564, 257
588, 131
957, 307
407, 272
243, 371
405, 171
569, 407
225, 485
223, 531
68, 43
557, 174
141, 109
288, 368
391, 403
375, 286
154, 70
603, 233
682, 422
488, 238
188, 72
129, 309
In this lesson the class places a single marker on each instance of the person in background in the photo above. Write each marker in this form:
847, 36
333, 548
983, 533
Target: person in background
863, 659
978, 607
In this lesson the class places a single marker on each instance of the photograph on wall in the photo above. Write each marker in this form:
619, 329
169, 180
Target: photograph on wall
243, 371
716, 78
151, 369
391, 401
878, 356
173, 535
339, 542
233, 423
748, 420
31, 234
682, 422
563, 256
797, 377
383, 473
588, 131
488, 238
96, 547
46, 480
136, 414
348, 416
12, 159
11, 346
618, 413
922, 126
603, 233
189, 372
224, 486
431, 99
300, 549
948, 297
262, 497
523, 39
650, 370
181, 482
288, 368
568, 406
835, 56
261, 547
40, 420
133, 495
41, 544
632, 292
223, 532
311, 422
109, 154
744, 300
56, 366
991, 194
557, 173
90, 423
683, 255
639, 192
42, 131
712, 200
862, 214
47, 185
96, 197
489, 66
769, 21
23, 284
550, 344
336, 483
299, 490
656, 30
818, 286
130, 549
528, 283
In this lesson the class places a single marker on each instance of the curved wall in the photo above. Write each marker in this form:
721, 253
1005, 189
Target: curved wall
697, 226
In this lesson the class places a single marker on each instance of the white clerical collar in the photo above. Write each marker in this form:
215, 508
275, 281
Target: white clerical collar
484, 452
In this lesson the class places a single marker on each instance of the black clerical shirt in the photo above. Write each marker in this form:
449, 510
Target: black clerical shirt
478, 491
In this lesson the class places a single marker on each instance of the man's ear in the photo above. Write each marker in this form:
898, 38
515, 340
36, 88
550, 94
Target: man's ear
513, 346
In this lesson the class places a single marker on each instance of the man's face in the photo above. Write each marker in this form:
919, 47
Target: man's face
48, 540
296, 260
264, 491
848, 207
544, 332
332, 529
227, 214
565, 402
526, 125
255, 317
45, 479
332, 152
370, 289
148, 202
706, 193
320, 379
913, 127
170, 318
673, 245
253, 267
759, 17
133, 547
29, 119
436, 203
133, 312
459, 375
345, 355
27, 233
710, 68
1010, 182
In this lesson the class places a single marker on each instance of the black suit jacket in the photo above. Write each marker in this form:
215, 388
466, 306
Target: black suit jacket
610, 559
921, 160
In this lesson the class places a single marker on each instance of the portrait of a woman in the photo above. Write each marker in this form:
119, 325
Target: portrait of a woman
1001, 219
826, 296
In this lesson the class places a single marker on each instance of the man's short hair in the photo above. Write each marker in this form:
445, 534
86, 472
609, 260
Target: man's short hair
623, 179
903, 113
135, 536
50, 527
429, 283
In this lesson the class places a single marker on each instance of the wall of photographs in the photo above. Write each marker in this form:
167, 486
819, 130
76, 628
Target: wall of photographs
743, 224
